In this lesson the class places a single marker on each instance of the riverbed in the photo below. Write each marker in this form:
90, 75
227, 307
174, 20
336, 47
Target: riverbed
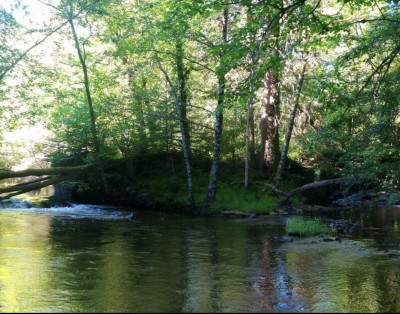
106, 259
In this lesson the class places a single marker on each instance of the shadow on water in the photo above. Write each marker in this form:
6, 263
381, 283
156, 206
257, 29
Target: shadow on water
91, 259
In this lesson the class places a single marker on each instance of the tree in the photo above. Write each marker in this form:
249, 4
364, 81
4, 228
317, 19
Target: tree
219, 114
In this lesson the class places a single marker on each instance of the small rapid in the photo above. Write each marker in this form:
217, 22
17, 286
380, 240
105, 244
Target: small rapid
14, 204
74, 211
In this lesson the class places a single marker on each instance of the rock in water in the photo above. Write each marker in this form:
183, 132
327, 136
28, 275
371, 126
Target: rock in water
295, 234
283, 240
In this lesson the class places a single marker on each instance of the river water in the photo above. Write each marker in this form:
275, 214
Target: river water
96, 259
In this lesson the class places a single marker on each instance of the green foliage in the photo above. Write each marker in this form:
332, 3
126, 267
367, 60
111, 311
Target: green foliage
307, 227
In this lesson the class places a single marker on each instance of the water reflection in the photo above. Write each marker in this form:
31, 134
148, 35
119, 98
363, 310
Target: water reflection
69, 262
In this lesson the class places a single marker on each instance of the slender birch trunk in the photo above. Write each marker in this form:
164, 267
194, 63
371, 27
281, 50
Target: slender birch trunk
289, 132
183, 95
182, 130
90, 103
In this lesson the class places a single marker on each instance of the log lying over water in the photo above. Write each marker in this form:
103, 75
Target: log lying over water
62, 174
289, 195
4, 174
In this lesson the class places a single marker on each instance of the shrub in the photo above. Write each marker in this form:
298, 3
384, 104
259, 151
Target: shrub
307, 227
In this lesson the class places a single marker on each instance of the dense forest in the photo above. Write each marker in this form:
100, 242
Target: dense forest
202, 103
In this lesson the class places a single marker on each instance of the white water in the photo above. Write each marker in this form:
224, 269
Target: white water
76, 211
12, 203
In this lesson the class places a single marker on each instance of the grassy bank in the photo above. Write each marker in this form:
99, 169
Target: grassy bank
172, 191
160, 182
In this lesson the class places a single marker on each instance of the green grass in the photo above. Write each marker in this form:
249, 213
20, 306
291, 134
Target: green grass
307, 227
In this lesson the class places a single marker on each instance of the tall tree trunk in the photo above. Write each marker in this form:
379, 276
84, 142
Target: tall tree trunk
296, 102
141, 119
250, 118
141, 104
250, 144
90, 103
212, 188
182, 129
183, 95
270, 111
269, 126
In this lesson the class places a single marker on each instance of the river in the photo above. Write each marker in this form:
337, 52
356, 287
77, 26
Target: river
105, 259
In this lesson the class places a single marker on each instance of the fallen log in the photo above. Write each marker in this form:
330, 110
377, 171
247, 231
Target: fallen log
43, 182
5, 174
290, 194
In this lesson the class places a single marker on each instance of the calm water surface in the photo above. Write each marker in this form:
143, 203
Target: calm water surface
92, 259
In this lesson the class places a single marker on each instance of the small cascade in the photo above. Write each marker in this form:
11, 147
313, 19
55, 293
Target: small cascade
74, 211
14, 204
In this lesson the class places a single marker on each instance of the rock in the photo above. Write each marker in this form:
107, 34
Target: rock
381, 252
238, 214
381, 203
282, 212
329, 240
295, 234
373, 229
283, 240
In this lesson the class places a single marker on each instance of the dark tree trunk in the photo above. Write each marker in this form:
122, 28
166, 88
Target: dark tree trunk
269, 127
212, 188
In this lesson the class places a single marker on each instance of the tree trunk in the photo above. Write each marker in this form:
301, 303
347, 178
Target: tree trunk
248, 143
212, 188
183, 95
270, 110
269, 127
140, 91
90, 103
182, 130
296, 102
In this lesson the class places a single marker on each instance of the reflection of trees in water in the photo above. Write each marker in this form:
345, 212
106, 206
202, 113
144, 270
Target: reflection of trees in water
24, 261
342, 278
175, 263
267, 286
164, 263
217, 267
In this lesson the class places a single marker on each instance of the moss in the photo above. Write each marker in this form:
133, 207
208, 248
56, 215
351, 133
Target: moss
307, 227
